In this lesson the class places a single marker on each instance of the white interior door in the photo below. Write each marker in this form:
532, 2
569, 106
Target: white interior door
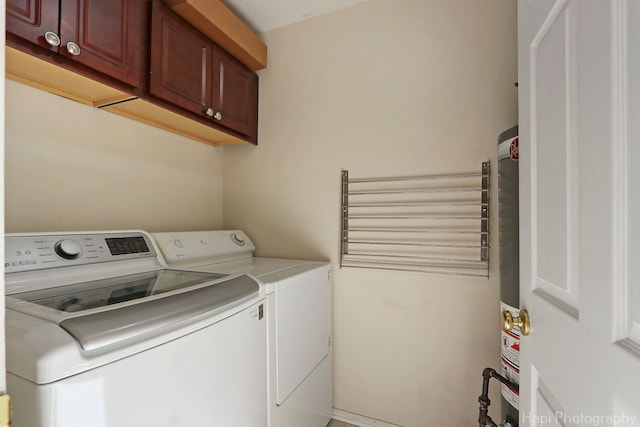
579, 75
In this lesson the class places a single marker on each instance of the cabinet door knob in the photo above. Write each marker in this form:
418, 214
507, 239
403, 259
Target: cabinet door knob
73, 48
209, 112
218, 116
52, 38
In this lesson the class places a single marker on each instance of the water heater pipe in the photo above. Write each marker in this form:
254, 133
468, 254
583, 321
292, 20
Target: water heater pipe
483, 418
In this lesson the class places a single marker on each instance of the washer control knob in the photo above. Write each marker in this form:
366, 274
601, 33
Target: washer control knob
68, 249
179, 243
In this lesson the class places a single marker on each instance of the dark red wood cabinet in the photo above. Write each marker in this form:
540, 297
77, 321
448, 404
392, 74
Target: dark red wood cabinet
188, 70
107, 36
143, 49
235, 94
180, 68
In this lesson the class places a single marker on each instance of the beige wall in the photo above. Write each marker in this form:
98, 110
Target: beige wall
72, 167
384, 88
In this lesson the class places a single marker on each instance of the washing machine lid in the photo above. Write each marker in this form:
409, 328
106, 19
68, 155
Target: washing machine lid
110, 312
82, 296
44, 351
107, 328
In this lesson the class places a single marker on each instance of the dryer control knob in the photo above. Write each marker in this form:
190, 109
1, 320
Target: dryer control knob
68, 249
238, 240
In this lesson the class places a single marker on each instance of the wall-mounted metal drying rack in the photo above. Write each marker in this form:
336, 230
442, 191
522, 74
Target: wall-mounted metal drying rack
430, 224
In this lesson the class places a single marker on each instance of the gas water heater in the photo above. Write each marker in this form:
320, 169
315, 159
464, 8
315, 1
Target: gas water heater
509, 268
509, 375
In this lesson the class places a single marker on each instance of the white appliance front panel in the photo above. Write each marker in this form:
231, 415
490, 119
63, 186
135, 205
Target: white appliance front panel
302, 316
194, 380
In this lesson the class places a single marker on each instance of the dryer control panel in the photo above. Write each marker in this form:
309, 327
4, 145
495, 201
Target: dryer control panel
191, 247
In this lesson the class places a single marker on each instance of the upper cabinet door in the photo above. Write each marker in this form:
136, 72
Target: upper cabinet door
31, 19
235, 92
180, 62
107, 36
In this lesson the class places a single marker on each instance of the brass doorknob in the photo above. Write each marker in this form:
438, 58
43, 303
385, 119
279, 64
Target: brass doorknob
522, 321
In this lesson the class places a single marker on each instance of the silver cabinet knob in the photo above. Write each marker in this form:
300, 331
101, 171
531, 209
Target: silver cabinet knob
73, 48
218, 116
209, 112
52, 38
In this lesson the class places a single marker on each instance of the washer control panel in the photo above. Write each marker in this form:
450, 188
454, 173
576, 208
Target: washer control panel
25, 252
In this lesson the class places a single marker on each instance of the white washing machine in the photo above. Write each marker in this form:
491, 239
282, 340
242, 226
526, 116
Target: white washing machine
298, 311
99, 333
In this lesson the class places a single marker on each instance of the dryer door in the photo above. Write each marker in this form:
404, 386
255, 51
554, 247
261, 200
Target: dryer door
302, 325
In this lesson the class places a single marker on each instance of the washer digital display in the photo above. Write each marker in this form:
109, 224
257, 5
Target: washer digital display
127, 245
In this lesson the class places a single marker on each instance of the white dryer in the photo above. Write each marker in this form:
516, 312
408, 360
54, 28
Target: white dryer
298, 312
